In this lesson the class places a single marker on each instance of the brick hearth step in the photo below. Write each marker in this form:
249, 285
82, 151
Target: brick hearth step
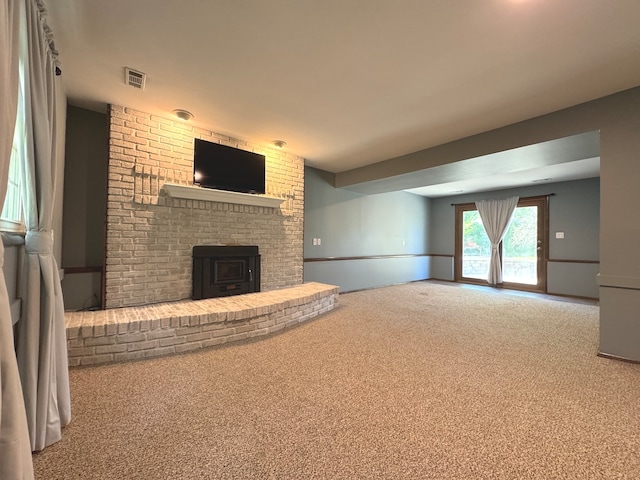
131, 333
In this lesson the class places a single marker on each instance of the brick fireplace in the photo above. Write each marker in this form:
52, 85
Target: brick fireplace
150, 234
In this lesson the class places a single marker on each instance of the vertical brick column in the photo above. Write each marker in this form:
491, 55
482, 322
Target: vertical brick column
149, 236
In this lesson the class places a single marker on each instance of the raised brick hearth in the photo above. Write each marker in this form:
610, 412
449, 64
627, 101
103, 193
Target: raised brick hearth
131, 333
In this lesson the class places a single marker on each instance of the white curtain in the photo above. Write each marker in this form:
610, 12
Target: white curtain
496, 216
42, 348
15, 451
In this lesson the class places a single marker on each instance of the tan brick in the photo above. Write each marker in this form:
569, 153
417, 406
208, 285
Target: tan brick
75, 343
131, 337
188, 330
96, 359
134, 347
214, 341
276, 328
157, 352
197, 337
73, 332
166, 342
245, 328
111, 349
187, 347
259, 332
127, 356
90, 342
81, 351
162, 333
237, 337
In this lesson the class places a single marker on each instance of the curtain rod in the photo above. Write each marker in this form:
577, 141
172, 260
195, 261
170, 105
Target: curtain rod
521, 198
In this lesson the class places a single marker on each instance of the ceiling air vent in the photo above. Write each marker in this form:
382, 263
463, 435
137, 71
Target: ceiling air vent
134, 78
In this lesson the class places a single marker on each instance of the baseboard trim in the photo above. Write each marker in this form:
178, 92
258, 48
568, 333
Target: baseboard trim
367, 257
383, 286
616, 357
566, 295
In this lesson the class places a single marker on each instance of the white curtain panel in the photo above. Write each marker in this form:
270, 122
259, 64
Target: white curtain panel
42, 347
15, 451
496, 216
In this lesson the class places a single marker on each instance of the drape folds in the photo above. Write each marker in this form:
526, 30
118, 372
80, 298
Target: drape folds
15, 451
41, 346
496, 216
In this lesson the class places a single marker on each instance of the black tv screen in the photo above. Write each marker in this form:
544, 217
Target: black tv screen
227, 168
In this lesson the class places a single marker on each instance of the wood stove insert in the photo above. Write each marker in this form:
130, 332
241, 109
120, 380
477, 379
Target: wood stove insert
224, 270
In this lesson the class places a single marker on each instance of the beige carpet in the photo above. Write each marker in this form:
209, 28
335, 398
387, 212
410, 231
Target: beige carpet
415, 381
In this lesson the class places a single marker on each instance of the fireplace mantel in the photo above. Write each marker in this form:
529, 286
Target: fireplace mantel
212, 195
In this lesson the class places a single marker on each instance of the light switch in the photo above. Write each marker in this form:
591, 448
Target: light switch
319, 241
559, 234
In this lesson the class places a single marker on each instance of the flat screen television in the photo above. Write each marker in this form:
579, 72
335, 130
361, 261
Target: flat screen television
227, 168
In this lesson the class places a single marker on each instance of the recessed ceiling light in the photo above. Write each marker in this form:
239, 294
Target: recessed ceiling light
183, 114
278, 143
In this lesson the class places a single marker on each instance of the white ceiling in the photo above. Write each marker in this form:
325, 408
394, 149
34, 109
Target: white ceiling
347, 83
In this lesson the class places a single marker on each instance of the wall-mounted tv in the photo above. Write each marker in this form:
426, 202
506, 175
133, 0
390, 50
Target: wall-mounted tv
227, 168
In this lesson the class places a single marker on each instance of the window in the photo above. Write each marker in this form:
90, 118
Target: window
12, 216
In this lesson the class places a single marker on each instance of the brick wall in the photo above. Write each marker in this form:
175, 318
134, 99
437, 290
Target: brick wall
150, 235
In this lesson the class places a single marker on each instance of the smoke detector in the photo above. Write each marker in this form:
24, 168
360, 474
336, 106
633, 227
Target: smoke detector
134, 78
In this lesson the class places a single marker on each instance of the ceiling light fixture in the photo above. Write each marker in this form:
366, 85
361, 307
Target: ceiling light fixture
279, 143
183, 114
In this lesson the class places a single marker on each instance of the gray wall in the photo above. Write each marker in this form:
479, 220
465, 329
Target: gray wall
574, 210
350, 224
85, 178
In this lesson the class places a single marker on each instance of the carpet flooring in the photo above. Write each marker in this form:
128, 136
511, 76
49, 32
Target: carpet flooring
419, 381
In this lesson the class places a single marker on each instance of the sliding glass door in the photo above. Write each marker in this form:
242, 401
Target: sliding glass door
523, 250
